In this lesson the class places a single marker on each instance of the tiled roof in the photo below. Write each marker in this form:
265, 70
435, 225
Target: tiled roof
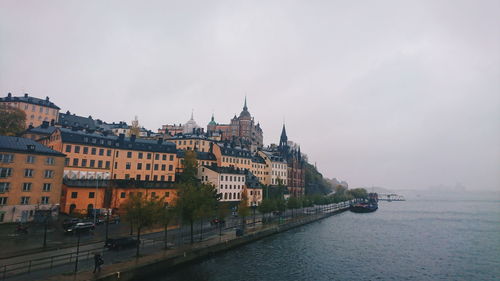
27, 99
16, 144
199, 155
235, 152
226, 170
71, 120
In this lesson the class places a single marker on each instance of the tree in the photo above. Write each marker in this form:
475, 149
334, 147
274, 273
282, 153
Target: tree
266, 207
141, 211
293, 203
12, 121
165, 216
358, 193
243, 209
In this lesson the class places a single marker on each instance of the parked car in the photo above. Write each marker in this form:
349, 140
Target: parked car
217, 221
120, 243
80, 227
67, 223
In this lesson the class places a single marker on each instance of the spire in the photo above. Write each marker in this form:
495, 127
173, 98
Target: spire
213, 117
283, 138
192, 117
245, 108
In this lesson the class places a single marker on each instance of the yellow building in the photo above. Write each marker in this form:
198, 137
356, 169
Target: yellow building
277, 168
36, 110
30, 180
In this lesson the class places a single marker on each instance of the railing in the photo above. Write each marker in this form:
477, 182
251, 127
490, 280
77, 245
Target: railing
298, 217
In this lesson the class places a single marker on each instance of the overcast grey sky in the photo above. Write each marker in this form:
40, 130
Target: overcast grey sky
400, 94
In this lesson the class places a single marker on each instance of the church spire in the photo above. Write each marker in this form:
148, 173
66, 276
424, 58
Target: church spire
245, 108
283, 138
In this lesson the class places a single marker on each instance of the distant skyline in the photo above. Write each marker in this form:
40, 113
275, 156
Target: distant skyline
403, 95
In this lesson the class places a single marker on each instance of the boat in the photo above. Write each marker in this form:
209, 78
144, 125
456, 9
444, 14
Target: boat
366, 206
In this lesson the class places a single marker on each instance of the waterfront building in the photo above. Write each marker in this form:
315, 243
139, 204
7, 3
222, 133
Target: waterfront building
30, 180
259, 168
242, 129
277, 168
231, 182
36, 110
296, 166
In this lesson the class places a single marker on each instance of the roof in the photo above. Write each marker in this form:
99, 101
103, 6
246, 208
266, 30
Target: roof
24, 145
226, 170
72, 120
274, 157
112, 141
43, 129
32, 100
199, 155
258, 159
235, 152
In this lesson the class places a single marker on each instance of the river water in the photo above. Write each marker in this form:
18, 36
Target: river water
423, 238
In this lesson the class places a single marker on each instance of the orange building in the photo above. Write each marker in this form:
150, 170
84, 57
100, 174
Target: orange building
37, 110
30, 180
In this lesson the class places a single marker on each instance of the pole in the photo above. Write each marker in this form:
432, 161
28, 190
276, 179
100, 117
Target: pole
107, 224
45, 232
77, 251
95, 205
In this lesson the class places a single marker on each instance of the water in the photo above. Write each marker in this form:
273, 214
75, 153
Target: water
431, 239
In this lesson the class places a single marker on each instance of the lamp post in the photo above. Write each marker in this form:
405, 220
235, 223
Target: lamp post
254, 207
45, 230
77, 250
107, 224
95, 201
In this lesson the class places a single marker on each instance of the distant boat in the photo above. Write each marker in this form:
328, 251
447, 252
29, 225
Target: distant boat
371, 205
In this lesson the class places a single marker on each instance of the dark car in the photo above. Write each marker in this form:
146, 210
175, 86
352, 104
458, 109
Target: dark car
120, 243
67, 223
217, 221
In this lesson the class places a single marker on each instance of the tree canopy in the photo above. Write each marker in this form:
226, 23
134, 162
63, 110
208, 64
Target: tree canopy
12, 120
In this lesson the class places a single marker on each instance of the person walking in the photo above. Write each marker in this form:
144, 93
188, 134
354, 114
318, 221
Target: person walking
98, 261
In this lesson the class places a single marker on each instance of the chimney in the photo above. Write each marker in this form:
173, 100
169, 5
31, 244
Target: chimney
9, 95
52, 122
121, 137
132, 138
47, 98
45, 124
30, 147
25, 95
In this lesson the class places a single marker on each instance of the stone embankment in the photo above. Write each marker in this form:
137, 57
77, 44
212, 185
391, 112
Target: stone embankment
157, 264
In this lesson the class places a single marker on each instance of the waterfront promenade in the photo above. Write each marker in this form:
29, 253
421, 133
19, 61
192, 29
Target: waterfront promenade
154, 257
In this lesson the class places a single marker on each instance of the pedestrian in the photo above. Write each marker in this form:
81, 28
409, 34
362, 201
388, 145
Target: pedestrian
98, 261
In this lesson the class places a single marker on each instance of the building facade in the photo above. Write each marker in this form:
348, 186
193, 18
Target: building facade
36, 110
30, 180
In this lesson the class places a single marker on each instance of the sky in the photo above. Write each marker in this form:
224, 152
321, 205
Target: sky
398, 94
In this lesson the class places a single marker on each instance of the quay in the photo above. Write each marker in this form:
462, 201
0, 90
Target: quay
164, 261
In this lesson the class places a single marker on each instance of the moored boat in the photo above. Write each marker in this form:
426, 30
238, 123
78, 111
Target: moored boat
371, 205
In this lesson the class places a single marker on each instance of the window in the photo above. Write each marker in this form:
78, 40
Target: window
85, 150
6, 158
170, 167
27, 186
49, 174
153, 194
148, 167
91, 194
75, 162
147, 177
155, 177
163, 167
140, 155
108, 164
138, 177
123, 194
25, 200
139, 166
129, 154
167, 194
46, 187
164, 157
74, 194
149, 155
77, 149
116, 165
117, 153
30, 159
28, 173
156, 167
221, 178
50, 161
171, 157
4, 187
127, 165
3, 201
99, 164
101, 151
45, 200
84, 162
169, 178
108, 152
127, 176
5, 172
93, 151
68, 148
162, 178
92, 163
157, 156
